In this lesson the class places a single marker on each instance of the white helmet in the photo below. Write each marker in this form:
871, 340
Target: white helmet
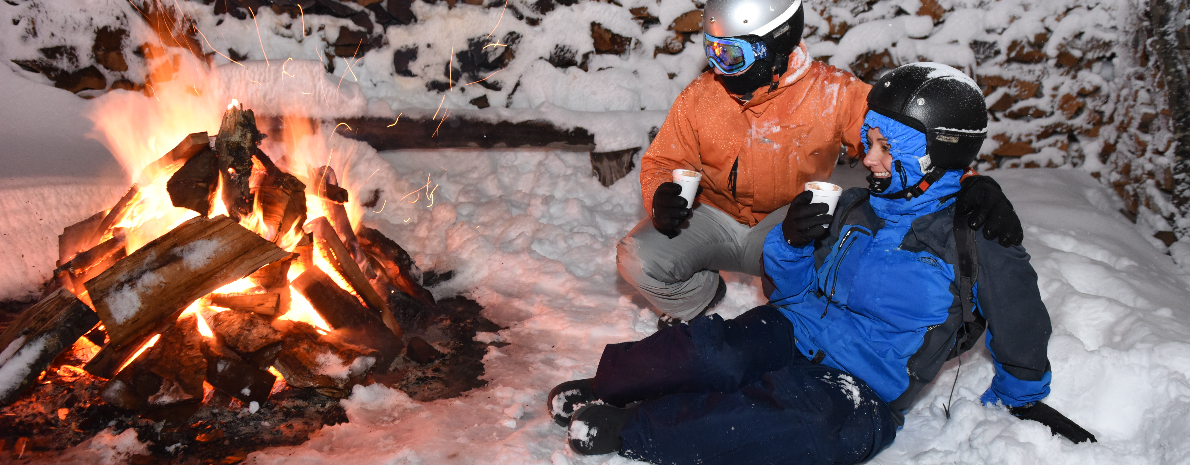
732, 18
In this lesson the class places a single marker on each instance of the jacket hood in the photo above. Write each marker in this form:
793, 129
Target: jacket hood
908, 148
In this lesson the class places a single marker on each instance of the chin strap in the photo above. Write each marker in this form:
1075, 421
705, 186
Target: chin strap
917, 189
780, 65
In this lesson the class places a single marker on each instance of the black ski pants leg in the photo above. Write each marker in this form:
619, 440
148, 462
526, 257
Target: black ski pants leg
737, 391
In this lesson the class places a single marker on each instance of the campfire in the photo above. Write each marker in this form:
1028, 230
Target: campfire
223, 279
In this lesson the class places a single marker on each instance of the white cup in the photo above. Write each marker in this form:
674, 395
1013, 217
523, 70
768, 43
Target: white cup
689, 180
825, 192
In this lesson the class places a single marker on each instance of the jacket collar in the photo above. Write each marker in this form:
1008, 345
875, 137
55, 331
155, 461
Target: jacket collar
799, 63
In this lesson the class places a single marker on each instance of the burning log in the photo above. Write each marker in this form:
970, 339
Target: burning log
265, 303
158, 281
230, 373
42, 332
395, 263
339, 258
341, 310
170, 372
309, 360
280, 199
190, 146
194, 185
87, 265
236, 143
79, 237
336, 214
244, 332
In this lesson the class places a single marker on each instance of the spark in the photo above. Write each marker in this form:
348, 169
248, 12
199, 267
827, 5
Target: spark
336, 129
398, 119
485, 47
385, 204
307, 93
439, 107
266, 54
428, 190
283, 71
440, 123
450, 70
303, 12
484, 79
349, 65
498, 20
193, 23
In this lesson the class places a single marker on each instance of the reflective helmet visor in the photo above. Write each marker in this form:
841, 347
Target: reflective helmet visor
732, 56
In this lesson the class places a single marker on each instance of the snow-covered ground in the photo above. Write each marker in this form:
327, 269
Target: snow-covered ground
531, 236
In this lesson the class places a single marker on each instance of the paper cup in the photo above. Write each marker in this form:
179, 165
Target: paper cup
825, 192
689, 180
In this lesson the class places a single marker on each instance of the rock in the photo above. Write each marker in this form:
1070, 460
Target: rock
109, 48
608, 42
421, 351
688, 22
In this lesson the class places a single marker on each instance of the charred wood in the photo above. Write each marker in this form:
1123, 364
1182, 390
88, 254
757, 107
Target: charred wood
281, 200
236, 143
336, 214
414, 133
30, 344
194, 185
309, 360
396, 264
162, 278
230, 373
167, 376
343, 312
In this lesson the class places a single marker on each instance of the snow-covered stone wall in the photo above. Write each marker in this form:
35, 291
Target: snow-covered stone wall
1068, 83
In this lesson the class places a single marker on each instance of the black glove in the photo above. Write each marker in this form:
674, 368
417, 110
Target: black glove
1057, 422
984, 203
669, 209
805, 221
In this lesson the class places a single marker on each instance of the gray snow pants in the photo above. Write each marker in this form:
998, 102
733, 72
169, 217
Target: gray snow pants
679, 276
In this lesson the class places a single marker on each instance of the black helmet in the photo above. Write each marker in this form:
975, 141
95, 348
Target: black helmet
941, 102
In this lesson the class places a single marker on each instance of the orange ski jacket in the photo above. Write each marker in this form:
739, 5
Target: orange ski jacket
777, 141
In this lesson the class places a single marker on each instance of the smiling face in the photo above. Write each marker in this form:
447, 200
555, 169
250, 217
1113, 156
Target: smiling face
878, 160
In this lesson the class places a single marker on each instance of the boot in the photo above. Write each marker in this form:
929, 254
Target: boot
595, 428
665, 321
567, 397
1057, 423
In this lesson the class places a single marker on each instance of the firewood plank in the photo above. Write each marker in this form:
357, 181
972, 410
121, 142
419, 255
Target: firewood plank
162, 278
79, 237
30, 344
263, 303
187, 148
325, 235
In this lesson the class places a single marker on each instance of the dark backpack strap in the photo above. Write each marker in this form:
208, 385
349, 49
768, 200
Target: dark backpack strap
968, 272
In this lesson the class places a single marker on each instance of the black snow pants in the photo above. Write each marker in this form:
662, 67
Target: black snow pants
736, 392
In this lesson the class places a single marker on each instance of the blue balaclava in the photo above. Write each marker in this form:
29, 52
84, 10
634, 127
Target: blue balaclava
908, 148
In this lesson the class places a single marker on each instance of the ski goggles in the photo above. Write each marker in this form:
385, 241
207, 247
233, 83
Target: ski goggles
731, 55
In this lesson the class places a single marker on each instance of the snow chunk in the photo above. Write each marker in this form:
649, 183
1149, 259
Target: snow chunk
939, 70
125, 302
331, 365
198, 253
113, 449
11, 349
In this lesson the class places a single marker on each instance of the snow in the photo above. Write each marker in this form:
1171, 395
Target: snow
124, 302
196, 254
17, 367
531, 235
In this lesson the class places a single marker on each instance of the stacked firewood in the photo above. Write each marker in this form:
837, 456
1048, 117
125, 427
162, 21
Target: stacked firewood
156, 355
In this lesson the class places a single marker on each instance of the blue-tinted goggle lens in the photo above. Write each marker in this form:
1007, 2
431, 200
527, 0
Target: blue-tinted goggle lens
730, 55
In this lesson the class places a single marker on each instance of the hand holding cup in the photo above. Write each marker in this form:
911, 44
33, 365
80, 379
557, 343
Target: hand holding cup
805, 221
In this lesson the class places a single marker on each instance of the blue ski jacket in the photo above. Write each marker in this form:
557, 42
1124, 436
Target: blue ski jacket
879, 299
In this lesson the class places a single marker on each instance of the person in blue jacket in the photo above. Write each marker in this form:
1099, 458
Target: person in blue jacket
868, 305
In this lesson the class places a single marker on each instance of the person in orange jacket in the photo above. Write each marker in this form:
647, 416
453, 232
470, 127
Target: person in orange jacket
761, 123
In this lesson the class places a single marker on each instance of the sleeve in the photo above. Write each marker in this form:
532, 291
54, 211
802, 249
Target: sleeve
676, 146
1018, 324
855, 100
790, 269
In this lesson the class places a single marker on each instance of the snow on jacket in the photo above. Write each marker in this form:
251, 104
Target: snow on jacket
780, 139
878, 298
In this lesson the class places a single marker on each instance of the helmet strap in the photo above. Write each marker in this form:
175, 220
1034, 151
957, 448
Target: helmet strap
917, 189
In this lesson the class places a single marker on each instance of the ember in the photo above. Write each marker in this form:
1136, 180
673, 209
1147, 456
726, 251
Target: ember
209, 289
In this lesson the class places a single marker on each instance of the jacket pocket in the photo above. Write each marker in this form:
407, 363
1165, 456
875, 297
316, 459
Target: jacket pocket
836, 273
